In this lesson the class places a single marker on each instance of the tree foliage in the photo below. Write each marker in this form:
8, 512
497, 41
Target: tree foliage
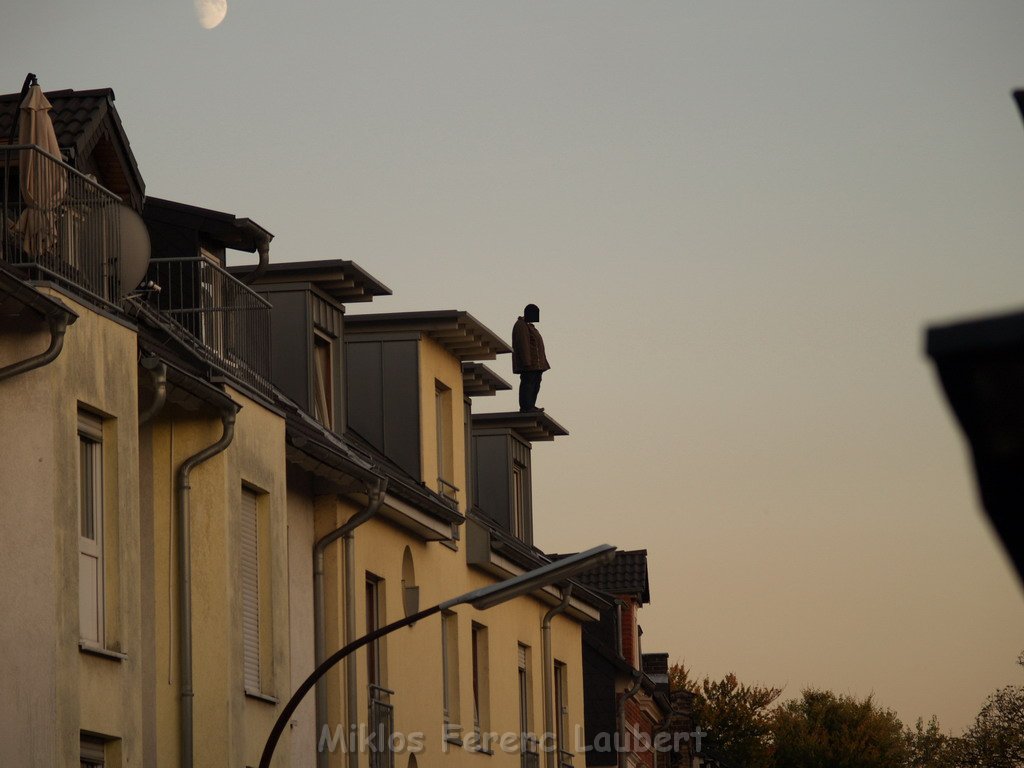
734, 715
825, 730
748, 728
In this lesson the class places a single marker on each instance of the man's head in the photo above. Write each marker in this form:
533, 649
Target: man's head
531, 313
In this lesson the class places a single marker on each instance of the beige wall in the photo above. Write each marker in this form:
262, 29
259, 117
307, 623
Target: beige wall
437, 364
53, 690
230, 725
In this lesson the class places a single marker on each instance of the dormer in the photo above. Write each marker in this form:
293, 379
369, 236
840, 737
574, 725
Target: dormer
307, 302
405, 390
502, 479
191, 289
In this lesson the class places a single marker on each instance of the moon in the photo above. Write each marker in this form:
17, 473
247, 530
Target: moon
211, 12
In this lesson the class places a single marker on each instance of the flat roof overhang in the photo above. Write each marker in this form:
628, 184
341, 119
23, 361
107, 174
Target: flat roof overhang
344, 281
531, 426
980, 364
480, 381
455, 330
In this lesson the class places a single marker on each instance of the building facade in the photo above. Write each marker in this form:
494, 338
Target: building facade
220, 476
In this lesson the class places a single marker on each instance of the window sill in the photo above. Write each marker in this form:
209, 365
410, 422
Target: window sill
261, 697
105, 653
453, 740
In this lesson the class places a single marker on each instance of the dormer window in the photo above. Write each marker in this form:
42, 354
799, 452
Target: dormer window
445, 445
323, 379
519, 528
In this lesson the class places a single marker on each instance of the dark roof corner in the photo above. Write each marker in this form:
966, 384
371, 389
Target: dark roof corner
480, 381
625, 575
531, 426
459, 332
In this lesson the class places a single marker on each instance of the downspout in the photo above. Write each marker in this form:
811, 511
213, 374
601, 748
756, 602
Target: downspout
158, 373
263, 248
638, 678
551, 758
58, 326
185, 578
375, 496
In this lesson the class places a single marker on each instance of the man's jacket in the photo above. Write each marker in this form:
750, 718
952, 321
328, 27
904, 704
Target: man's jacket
527, 348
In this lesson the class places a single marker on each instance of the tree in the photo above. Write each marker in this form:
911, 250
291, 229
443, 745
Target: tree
996, 740
823, 730
929, 747
734, 715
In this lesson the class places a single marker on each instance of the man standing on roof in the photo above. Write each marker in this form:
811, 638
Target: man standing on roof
528, 358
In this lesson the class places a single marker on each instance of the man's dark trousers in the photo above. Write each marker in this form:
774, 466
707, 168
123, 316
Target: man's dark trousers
529, 387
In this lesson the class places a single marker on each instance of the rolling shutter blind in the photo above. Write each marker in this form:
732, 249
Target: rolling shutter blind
250, 592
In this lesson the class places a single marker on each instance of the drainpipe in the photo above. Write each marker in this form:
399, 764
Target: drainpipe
158, 372
549, 674
375, 496
58, 325
263, 248
638, 678
185, 578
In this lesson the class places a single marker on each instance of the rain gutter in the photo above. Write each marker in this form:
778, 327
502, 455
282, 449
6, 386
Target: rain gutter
375, 497
185, 577
58, 326
550, 755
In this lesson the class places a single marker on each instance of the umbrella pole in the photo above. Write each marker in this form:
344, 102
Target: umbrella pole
30, 80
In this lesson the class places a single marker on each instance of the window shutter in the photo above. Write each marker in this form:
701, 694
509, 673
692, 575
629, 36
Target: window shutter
522, 657
250, 592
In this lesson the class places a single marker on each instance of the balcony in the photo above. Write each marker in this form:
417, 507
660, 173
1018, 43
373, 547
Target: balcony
227, 322
59, 225
381, 727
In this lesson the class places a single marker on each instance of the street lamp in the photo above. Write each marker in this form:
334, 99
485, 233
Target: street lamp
481, 599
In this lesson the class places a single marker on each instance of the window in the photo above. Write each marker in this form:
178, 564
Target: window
450, 665
374, 620
562, 714
526, 736
90, 531
323, 380
250, 565
481, 688
519, 501
445, 450
91, 752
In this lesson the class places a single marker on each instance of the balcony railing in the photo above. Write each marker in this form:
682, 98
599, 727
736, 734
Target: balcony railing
449, 492
229, 321
382, 728
59, 224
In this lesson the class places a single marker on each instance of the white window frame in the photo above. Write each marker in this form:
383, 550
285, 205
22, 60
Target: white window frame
91, 565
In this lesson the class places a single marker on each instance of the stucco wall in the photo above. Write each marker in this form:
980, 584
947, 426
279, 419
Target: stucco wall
55, 691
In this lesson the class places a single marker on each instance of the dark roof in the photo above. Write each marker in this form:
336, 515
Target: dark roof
480, 381
342, 280
530, 426
457, 331
625, 575
233, 232
981, 367
82, 120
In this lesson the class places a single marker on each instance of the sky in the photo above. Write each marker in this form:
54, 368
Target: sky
737, 219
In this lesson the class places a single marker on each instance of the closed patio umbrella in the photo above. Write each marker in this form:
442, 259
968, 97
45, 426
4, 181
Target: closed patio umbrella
44, 183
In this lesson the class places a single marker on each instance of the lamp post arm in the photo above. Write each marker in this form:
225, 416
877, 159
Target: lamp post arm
325, 665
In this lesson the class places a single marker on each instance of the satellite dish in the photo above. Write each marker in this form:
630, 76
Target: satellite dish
135, 247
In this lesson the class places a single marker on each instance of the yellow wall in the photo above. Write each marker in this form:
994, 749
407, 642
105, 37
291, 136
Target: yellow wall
52, 689
414, 665
437, 364
230, 726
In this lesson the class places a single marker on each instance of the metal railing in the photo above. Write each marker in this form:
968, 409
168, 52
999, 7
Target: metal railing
230, 322
448, 491
59, 224
529, 758
382, 728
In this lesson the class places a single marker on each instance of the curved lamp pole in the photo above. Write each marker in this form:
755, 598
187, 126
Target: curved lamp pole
481, 599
